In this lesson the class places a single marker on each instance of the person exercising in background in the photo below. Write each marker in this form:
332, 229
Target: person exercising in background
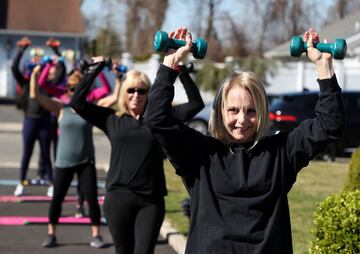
75, 154
53, 74
135, 184
59, 91
36, 124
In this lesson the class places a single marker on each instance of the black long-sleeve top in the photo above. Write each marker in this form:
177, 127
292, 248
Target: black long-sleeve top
185, 112
239, 195
29, 106
136, 160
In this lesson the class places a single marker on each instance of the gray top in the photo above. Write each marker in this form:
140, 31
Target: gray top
75, 145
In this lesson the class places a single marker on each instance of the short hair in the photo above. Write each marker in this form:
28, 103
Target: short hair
251, 83
132, 78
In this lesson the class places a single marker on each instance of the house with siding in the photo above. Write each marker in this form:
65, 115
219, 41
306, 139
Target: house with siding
39, 20
295, 74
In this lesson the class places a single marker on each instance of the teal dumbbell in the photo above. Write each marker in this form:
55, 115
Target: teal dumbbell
337, 49
162, 43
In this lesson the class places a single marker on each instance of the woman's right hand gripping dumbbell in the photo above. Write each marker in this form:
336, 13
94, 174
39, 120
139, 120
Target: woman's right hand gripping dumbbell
175, 56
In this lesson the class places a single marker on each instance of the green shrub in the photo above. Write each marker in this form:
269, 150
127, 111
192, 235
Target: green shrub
209, 76
337, 224
353, 178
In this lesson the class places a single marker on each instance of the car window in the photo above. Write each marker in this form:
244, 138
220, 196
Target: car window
295, 100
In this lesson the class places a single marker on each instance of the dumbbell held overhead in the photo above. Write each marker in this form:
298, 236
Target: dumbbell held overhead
337, 49
85, 64
162, 43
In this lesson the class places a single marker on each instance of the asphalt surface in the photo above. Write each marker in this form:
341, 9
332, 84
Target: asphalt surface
28, 238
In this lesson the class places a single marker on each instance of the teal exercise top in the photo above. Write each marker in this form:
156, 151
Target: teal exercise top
75, 145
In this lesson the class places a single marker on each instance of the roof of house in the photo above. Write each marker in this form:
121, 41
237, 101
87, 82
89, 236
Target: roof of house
45, 15
347, 28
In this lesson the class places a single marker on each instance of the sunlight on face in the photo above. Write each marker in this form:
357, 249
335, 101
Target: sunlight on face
136, 101
240, 116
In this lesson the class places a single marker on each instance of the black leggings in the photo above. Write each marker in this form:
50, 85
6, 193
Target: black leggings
134, 221
33, 129
87, 176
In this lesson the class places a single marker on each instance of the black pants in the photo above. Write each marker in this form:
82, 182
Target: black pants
134, 221
87, 176
33, 129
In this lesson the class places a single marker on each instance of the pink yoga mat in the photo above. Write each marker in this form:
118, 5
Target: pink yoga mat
15, 199
26, 220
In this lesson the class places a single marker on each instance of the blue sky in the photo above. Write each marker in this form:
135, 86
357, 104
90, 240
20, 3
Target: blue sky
181, 13
177, 14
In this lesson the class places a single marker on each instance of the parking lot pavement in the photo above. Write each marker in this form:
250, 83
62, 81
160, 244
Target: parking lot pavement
28, 238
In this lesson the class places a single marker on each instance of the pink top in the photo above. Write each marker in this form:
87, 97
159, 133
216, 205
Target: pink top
59, 90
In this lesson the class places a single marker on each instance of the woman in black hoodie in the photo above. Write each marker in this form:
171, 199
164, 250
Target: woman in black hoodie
237, 178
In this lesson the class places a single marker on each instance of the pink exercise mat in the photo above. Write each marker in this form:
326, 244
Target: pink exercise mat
27, 220
20, 199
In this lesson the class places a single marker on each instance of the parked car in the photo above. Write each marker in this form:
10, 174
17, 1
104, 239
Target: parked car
288, 110
201, 121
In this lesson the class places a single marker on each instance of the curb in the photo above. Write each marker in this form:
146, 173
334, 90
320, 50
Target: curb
176, 240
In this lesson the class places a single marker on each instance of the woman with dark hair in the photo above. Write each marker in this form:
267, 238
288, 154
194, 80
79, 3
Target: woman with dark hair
37, 121
75, 154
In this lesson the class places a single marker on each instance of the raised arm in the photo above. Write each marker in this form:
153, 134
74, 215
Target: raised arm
108, 101
54, 45
15, 67
312, 136
185, 112
92, 113
184, 146
54, 90
45, 101
100, 92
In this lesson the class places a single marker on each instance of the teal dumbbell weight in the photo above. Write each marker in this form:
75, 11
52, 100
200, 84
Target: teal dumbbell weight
337, 49
162, 43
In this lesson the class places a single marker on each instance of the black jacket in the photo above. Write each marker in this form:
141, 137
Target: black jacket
239, 196
136, 160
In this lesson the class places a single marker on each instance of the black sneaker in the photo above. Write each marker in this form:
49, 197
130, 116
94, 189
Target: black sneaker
97, 242
50, 241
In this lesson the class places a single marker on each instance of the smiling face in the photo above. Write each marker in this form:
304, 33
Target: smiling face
239, 115
136, 98
133, 94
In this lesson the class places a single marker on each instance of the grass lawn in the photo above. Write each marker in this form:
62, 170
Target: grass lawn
313, 184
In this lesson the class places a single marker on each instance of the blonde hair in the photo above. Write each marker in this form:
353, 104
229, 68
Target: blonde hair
132, 78
251, 83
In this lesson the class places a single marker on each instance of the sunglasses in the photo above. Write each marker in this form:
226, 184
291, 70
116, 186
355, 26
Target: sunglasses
140, 91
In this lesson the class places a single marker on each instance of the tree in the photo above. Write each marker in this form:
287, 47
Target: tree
107, 43
340, 9
237, 45
143, 19
206, 13
278, 20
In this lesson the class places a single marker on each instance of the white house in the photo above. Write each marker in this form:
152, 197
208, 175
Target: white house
295, 74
